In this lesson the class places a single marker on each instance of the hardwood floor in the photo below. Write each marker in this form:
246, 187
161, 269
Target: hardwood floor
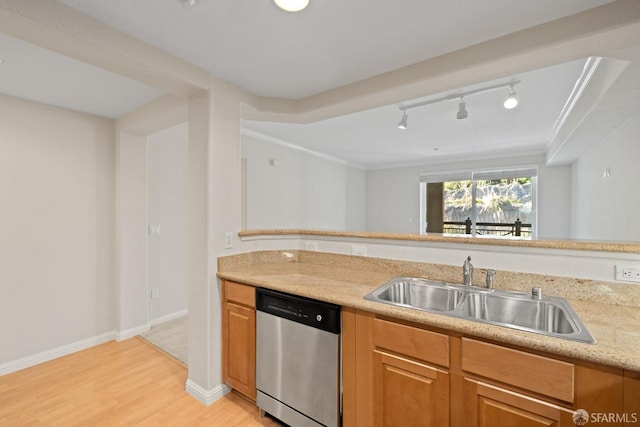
127, 383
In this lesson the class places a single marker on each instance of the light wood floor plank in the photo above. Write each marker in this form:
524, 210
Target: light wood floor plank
127, 383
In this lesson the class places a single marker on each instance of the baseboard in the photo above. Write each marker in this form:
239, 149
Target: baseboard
138, 330
132, 332
206, 396
45, 356
169, 317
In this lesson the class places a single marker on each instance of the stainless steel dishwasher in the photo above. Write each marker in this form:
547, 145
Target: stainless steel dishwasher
298, 359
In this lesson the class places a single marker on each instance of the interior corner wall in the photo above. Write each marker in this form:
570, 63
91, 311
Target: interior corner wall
57, 226
288, 188
167, 210
607, 208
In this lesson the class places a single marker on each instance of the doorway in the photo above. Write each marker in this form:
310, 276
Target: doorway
167, 240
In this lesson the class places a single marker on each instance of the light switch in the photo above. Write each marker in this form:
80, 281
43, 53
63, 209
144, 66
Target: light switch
228, 240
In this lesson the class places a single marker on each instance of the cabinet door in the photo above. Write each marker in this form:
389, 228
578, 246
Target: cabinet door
408, 393
239, 336
490, 406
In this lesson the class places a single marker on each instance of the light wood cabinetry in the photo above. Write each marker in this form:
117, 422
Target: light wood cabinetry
408, 388
404, 374
488, 406
239, 337
632, 395
538, 374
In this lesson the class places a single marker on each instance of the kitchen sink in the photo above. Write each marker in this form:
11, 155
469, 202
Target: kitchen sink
520, 311
418, 293
546, 315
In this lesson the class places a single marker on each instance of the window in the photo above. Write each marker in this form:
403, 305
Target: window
496, 203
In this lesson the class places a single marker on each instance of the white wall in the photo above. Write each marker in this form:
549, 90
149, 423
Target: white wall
393, 203
304, 191
608, 208
167, 208
56, 228
554, 202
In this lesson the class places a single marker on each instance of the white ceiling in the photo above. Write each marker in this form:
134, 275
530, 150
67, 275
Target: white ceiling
370, 139
31, 72
270, 52
332, 43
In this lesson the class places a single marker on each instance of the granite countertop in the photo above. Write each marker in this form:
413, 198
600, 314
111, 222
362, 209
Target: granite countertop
345, 281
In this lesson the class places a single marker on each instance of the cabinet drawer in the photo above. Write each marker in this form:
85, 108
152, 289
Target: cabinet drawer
539, 374
411, 341
241, 294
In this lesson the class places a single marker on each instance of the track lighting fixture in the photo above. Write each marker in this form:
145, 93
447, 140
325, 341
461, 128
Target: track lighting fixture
512, 100
292, 5
509, 103
403, 122
462, 110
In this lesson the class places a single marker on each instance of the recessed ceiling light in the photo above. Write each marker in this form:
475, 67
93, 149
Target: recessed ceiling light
190, 3
292, 5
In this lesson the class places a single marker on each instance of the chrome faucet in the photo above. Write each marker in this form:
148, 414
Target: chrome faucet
467, 272
490, 273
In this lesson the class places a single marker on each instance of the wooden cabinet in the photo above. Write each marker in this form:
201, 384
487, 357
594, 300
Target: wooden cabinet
487, 405
490, 404
632, 395
408, 393
403, 374
239, 338
537, 374
409, 388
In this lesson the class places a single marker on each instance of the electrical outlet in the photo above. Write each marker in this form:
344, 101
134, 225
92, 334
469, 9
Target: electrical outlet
228, 240
311, 246
627, 274
155, 293
358, 250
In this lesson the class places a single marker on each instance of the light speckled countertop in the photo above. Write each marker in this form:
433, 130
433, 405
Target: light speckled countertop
345, 280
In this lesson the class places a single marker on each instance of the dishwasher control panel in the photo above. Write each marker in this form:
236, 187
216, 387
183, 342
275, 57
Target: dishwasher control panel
318, 314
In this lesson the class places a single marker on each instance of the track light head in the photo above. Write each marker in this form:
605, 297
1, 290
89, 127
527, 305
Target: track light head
402, 124
511, 101
462, 110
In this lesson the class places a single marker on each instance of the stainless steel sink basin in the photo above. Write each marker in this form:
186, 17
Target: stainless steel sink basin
418, 293
523, 312
551, 316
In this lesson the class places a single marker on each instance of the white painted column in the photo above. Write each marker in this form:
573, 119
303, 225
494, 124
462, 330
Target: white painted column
213, 209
